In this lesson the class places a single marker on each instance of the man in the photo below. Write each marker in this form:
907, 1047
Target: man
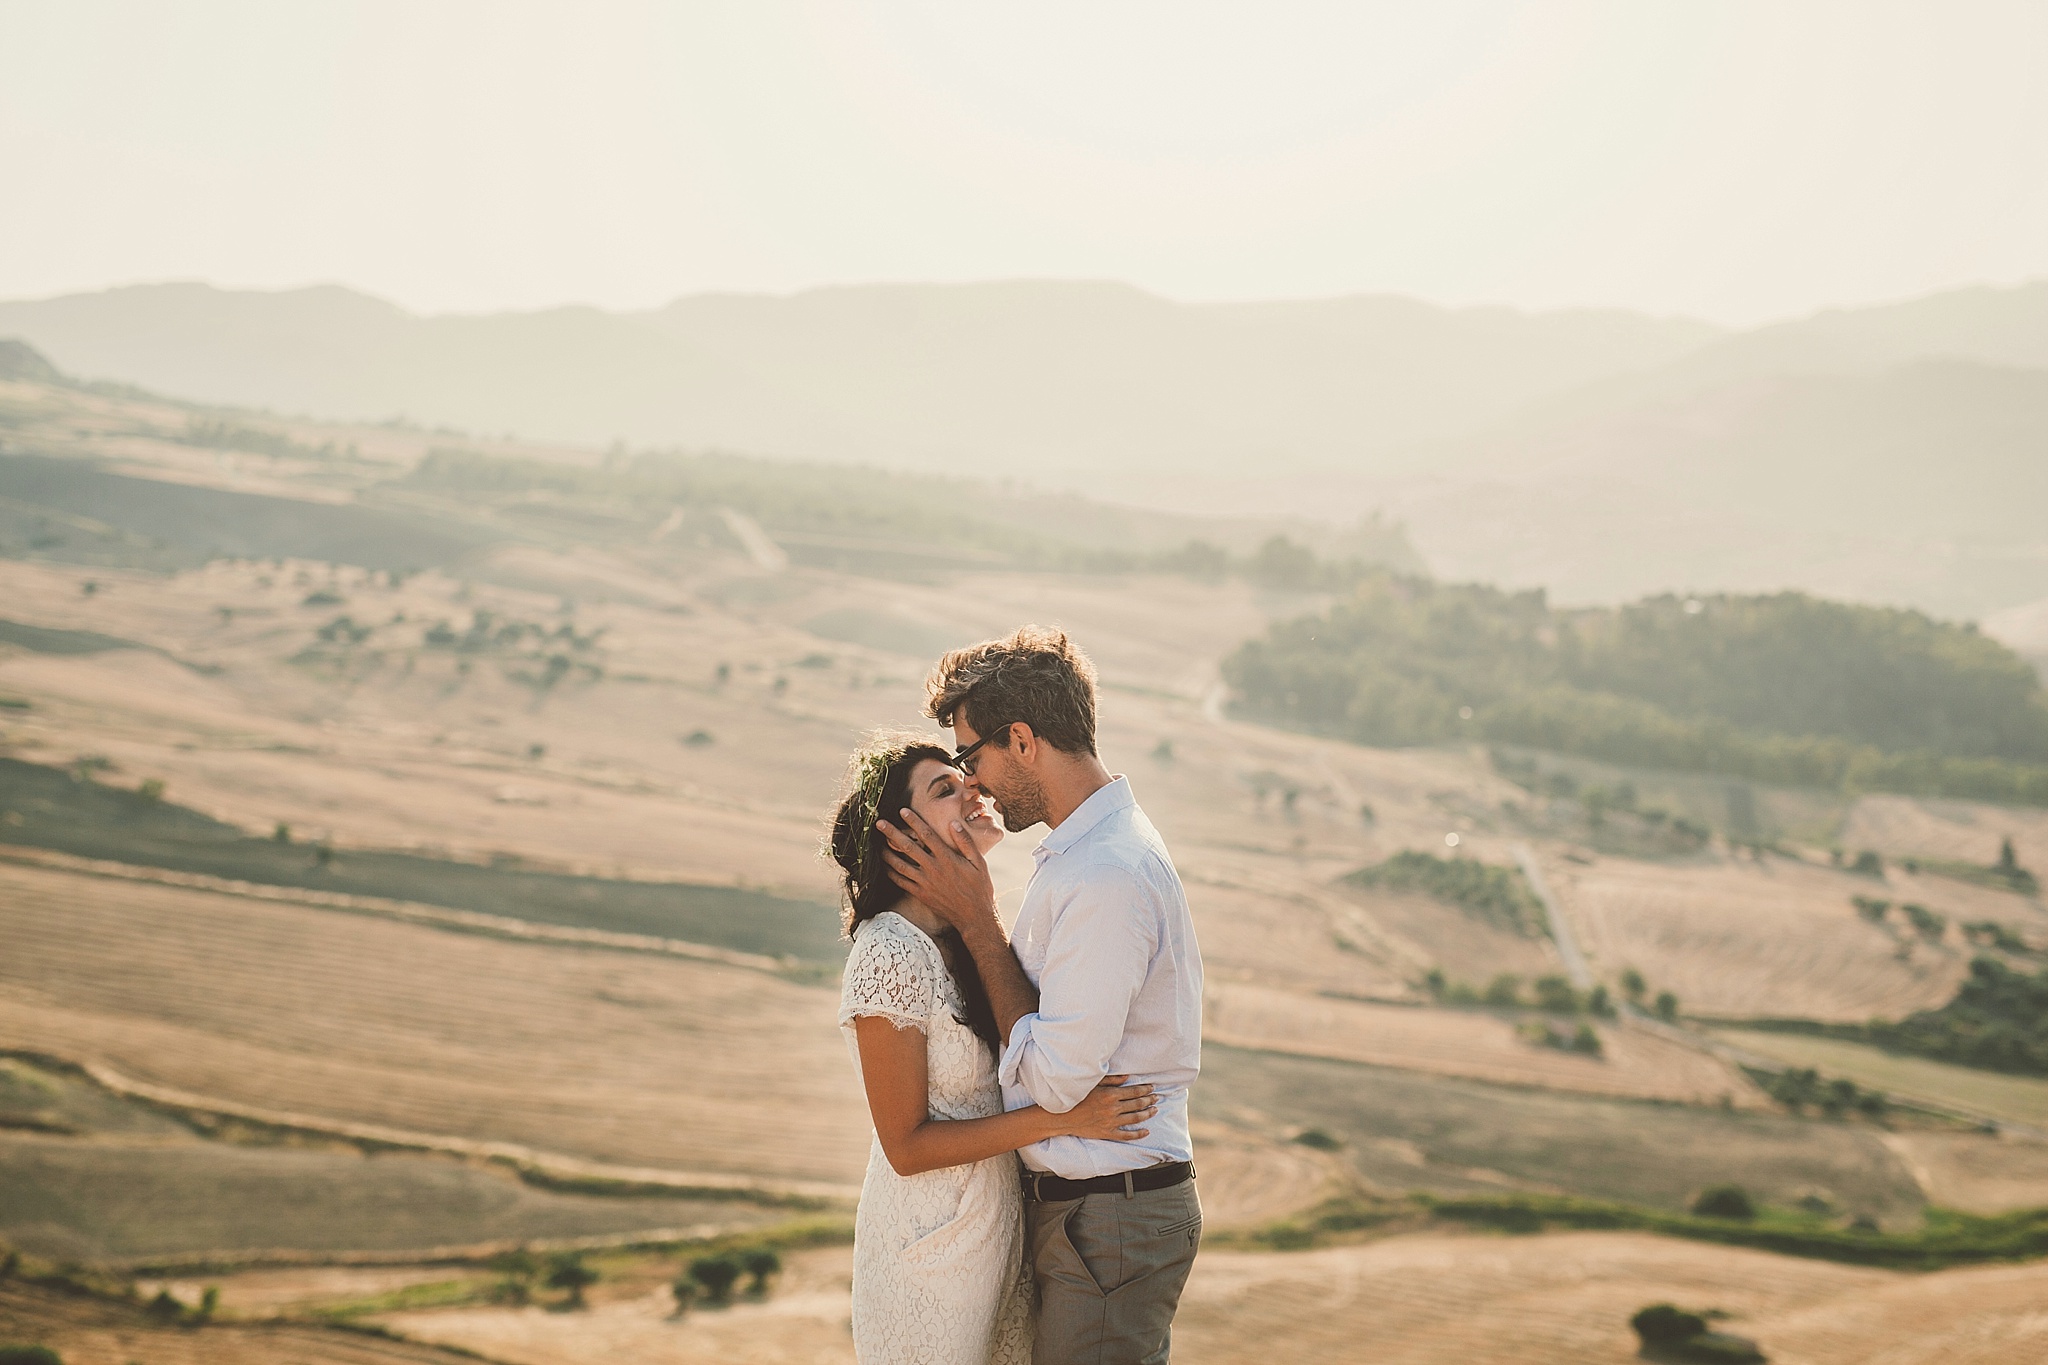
1103, 978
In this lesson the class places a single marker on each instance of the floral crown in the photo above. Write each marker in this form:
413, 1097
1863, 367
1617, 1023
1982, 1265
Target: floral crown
867, 772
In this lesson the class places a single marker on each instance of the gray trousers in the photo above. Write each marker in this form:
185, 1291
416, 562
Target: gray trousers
1110, 1268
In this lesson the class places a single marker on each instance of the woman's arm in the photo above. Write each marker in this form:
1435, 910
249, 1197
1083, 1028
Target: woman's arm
892, 1067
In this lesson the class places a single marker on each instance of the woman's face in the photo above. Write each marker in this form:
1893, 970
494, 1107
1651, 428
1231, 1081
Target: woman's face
938, 793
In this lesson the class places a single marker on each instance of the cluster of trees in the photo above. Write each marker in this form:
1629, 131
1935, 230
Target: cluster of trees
714, 1278
1929, 924
1282, 564
220, 435
1497, 895
1998, 1020
1784, 688
1550, 994
1800, 1088
521, 1272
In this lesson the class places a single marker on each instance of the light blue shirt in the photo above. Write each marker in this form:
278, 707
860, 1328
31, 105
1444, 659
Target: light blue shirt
1105, 935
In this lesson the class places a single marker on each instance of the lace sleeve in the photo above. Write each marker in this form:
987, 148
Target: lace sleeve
889, 975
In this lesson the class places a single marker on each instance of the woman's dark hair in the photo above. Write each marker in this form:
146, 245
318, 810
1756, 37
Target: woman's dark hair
878, 782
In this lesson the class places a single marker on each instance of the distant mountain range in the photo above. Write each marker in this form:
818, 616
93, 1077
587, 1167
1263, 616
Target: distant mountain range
1894, 453
1012, 377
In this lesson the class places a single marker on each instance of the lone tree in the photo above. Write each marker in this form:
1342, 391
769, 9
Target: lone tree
717, 1274
1633, 985
1667, 1007
685, 1291
1724, 1201
1664, 1324
519, 1269
568, 1272
760, 1263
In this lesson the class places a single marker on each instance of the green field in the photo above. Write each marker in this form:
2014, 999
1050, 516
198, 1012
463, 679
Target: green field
2020, 1099
68, 1199
1408, 1132
54, 809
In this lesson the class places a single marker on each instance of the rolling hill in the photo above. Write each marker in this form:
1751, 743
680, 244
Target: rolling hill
986, 379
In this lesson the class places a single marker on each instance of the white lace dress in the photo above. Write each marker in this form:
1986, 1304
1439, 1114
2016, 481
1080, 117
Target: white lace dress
938, 1266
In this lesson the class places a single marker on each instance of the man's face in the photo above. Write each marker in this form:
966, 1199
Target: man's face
1011, 787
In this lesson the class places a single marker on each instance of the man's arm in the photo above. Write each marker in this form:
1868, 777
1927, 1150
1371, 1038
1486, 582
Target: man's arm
1099, 947
948, 874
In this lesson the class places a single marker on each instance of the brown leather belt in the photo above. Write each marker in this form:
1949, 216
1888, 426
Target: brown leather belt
1049, 1188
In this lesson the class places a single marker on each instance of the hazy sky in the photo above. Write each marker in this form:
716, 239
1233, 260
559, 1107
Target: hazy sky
1736, 161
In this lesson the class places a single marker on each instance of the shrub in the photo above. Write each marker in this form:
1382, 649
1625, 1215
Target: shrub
1667, 1007
1599, 1003
717, 1274
1998, 1020
1661, 1324
1927, 923
568, 1272
760, 1263
1633, 985
1505, 989
1554, 995
1870, 907
1724, 1201
1318, 1139
1991, 934
1586, 1040
164, 1307
1867, 864
1497, 895
29, 1355
685, 1291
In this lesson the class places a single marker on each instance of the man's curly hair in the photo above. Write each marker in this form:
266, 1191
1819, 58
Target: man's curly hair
1036, 675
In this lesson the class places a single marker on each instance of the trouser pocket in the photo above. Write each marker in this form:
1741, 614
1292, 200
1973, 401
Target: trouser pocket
1110, 1272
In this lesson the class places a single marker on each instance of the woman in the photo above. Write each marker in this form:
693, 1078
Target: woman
938, 1271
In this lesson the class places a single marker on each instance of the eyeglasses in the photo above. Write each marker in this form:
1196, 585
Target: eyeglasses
961, 756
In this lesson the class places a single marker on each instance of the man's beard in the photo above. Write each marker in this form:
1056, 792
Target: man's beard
1021, 806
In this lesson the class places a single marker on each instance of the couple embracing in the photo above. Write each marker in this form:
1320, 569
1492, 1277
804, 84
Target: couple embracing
1031, 1193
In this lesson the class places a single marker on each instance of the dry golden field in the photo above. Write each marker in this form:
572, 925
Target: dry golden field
92, 1332
1735, 937
1420, 1299
2015, 1099
1976, 1172
1481, 1045
1403, 1130
702, 744
1962, 831
624, 1058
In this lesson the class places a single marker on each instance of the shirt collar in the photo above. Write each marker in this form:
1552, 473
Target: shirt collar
1107, 800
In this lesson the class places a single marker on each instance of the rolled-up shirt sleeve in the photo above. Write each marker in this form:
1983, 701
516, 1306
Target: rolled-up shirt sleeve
1097, 949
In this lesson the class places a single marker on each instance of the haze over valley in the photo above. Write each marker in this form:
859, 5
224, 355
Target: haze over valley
1886, 454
